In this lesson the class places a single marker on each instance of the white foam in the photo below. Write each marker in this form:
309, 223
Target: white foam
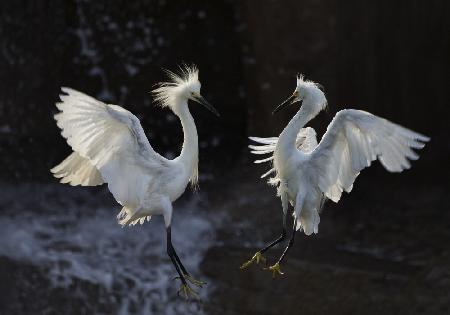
85, 242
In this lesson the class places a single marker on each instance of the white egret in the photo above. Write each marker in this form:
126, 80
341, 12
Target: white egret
307, 173
110, 147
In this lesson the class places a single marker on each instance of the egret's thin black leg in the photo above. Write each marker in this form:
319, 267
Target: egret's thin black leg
279, 239
258, 257
275, 269
182, 273
291, 241
173, 255
179, 261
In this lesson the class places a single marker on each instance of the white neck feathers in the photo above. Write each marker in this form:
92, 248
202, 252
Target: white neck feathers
287, 138
189, 151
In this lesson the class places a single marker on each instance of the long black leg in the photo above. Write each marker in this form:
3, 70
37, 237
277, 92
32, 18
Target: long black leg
258, 257
279, 239
185, 289
182, 272
291, 241
173, 255
179, 261
275, 269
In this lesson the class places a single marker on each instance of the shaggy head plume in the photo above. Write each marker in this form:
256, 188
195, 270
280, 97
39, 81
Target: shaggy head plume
180, 86
315, 90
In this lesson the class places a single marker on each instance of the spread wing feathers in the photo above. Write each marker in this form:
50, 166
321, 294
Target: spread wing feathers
77, 170
306, 142
113, 141
352, 141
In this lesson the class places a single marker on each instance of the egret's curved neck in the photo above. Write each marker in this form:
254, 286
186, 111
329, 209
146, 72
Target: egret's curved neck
189, 152
286, 141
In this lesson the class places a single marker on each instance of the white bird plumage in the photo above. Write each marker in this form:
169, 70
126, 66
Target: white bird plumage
307, 172
110, 147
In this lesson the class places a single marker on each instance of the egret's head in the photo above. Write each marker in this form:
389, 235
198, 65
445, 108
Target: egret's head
311, 95
181, 88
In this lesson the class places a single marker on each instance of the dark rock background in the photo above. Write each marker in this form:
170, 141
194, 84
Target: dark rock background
384, 248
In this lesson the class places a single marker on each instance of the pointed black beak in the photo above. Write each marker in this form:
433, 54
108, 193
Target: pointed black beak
200, 99
290, 100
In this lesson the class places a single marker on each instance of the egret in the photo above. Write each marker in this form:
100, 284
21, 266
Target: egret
109, 146
307, 173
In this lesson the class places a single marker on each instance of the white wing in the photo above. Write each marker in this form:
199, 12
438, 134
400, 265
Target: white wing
352, 141
112, 140
77, 170
306, 142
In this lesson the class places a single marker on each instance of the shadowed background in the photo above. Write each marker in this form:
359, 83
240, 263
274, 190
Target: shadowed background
384, 248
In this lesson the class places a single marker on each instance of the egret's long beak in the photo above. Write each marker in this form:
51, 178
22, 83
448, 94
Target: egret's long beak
201, 100
290, 100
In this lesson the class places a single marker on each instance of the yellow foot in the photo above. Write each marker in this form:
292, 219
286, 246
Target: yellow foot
275, 270
192, 280
195, 282
258, 257
186, 292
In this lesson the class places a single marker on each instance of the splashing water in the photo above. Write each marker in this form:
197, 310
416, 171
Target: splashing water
73, 239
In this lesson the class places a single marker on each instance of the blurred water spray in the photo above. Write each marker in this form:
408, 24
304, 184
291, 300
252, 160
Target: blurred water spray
80, 240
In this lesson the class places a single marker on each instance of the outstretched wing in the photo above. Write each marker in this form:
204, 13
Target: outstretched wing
111, 139
306, 142
77, 170
352, 141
